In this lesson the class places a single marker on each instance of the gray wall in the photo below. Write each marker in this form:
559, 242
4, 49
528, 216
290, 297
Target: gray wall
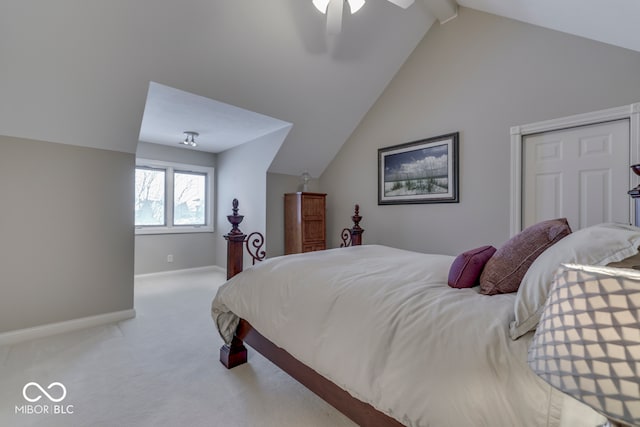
175, 154
242, 174
478, 74
189, 250
66, 221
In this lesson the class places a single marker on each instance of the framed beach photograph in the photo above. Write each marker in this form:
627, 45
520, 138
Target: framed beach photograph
424, 171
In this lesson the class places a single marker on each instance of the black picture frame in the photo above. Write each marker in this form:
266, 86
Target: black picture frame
424, 171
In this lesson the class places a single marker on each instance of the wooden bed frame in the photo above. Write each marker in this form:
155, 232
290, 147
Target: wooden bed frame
236, 353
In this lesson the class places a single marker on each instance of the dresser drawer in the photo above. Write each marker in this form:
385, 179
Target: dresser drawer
311, 247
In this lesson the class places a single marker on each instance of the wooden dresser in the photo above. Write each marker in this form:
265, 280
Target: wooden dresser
304, 222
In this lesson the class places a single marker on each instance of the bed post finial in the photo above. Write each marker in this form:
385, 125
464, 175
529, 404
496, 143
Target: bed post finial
235, 219
235, 239
356, 218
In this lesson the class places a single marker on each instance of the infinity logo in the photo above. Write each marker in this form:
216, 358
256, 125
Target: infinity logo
43, 391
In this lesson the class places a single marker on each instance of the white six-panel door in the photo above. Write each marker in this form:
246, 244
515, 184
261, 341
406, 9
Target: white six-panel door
579, 173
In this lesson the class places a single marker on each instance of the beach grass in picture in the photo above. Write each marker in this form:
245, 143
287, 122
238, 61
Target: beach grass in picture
424, 171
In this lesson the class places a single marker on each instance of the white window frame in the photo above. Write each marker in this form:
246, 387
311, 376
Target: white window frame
170, 168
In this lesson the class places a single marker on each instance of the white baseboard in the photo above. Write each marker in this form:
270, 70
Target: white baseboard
185, 270
13, 337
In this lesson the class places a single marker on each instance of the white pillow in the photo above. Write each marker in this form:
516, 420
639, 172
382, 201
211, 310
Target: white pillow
596, 245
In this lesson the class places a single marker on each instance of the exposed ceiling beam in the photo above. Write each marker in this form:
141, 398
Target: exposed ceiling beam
443, 10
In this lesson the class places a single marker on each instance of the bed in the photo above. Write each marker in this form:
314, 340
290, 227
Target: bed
380, 334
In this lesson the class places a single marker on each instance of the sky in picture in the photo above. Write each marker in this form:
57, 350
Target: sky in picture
421, 163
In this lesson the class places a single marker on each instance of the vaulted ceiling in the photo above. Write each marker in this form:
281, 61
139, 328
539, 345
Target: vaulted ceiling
78, 72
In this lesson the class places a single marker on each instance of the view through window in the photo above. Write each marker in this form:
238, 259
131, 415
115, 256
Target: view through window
172, 198
188, 198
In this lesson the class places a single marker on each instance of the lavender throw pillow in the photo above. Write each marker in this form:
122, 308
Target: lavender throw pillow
504, 271
466, 268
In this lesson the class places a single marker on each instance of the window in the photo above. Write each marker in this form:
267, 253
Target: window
173, 198
150, 185
189, 189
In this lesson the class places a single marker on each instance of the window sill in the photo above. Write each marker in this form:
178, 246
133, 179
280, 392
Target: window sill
173, 230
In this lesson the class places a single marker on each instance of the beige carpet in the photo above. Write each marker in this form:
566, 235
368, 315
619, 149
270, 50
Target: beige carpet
159, 369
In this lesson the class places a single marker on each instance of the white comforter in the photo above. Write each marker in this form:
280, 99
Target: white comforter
383, 324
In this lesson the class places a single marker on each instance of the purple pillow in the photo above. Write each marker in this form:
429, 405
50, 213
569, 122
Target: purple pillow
466, 268
506, 268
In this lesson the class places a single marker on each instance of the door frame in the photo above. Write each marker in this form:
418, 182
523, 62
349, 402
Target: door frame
630, 112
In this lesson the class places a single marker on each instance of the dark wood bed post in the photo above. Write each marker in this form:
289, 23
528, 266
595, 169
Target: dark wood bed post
235, 241
635, 195
356, 230
353, 236
236, 353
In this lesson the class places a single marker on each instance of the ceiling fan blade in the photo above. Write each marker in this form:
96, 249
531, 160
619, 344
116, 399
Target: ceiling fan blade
355, 5
321, 5
402, 3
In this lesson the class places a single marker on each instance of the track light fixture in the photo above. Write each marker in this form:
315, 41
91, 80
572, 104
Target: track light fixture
190, 138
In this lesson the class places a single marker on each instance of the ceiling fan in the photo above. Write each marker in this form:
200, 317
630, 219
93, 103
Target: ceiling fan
333, 10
